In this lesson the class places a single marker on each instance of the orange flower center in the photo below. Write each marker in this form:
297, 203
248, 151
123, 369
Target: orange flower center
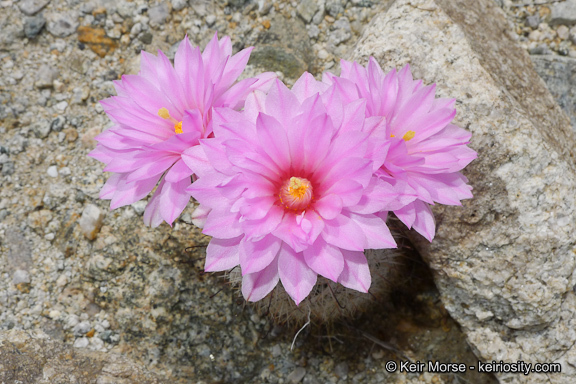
163, 113
296, 193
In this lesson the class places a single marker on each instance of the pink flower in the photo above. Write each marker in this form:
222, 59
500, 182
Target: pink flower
426, 150
161, 112
289, 189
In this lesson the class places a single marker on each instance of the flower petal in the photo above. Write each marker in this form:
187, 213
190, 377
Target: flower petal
256, 286
222, 254
296, 276
257, 255
325, 259
356, 273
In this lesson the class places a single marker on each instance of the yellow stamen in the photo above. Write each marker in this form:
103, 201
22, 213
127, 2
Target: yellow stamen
409, 135
163, 113
178, 127
392, 135
296, 193
297, 188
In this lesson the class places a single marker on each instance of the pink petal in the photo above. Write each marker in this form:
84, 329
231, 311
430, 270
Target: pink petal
407, 214
156, 165
234, 67
261, 227
355, 274
325, 259
344, 233
328, 206
111, 185
222, 254
152, 215
204, 189
297, 278
206, 157
190, 68
222, 223
307, 86
273, 140
257, 255
348, 190
424, 223
128, 193
173, 199
281, 103
178, 172
256, 286
199, 216
375, 230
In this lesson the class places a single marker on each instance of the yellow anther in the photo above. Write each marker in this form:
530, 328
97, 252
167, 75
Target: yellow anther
296, 193
409, 135
392, 135
178, 127
163, 113
297, 188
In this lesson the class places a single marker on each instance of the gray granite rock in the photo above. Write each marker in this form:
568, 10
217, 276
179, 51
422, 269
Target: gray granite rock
505, 261
335, 7
33, 26
31, 7
62, 24
563, 12
178, 5
58, 123
341, 31
46, 76
41, 129
307, 9
158, 14
559, 73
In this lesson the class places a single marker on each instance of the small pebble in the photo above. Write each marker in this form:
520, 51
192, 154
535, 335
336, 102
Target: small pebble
139, 206
33, 26
52, 171
61, 106
62, 25
82, 342
41, 129
158, 14
46, 76
341, 369
31, 7
58, 123
20, 276
82, 328
533, 21
210, 20
563, 32
307, 9
296, 375
179, 4
91, 221
8, 168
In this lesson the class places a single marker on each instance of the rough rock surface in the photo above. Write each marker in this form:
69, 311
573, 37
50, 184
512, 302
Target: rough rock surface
32, 357
504, 262
559, 73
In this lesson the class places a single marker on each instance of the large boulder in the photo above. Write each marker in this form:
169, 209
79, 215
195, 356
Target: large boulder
505, 261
